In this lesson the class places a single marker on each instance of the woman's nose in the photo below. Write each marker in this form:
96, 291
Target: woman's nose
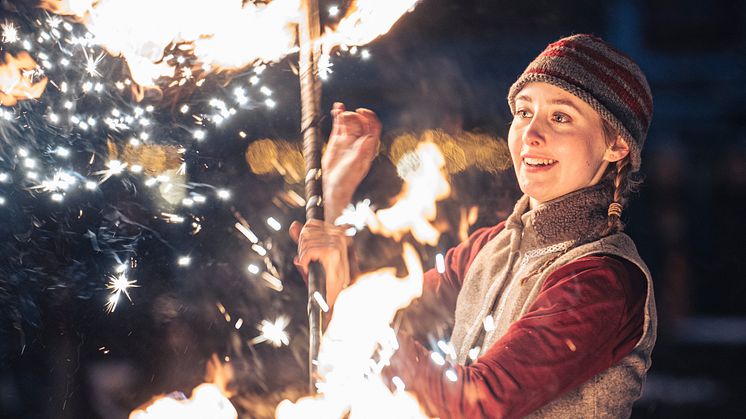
534, 133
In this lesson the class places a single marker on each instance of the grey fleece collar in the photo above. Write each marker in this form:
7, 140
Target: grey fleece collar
579, 216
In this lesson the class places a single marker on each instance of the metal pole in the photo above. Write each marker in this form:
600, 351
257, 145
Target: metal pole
310, 92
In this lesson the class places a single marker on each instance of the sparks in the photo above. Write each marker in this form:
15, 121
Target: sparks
61, 181
10, 32
440, 263
274, 223
118, 285
54, 21
91, 64
274, 333
325, 67
114, 167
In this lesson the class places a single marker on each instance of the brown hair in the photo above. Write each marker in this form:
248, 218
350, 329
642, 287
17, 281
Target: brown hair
625, 182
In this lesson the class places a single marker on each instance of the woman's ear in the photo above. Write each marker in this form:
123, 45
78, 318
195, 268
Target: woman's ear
617, 151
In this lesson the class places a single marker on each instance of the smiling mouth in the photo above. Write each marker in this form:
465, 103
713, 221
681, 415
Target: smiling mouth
533, 162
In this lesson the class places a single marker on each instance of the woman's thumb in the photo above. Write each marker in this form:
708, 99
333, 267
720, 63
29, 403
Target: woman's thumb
294, 231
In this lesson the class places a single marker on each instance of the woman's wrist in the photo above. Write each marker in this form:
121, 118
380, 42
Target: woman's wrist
334, 203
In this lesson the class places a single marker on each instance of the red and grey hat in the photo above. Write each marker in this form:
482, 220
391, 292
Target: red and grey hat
603, 77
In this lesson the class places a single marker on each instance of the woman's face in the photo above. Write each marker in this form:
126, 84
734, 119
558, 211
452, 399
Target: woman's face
557, 143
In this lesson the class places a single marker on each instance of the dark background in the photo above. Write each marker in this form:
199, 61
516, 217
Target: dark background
446, 65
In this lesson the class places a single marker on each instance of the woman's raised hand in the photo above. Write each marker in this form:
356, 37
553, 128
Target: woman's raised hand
353, 144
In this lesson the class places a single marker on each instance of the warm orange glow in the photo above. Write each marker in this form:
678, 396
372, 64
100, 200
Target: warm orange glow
365, 21
467, 219
425, 183
460, 151
208, 400
359, 340
68, 7
276, 156
351, 383
16, 82
222, 34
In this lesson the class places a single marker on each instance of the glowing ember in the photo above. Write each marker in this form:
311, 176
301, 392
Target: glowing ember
16, 79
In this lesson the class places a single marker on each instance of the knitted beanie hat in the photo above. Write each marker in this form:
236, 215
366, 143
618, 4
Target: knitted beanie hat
603, 77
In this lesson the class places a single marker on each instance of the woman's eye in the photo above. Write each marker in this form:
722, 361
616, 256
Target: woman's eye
560, 117
521, 113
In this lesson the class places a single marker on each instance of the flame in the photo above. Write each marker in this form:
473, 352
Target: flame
351, 383
425, 184
208, 400
365, 21
221, 35
16, 81
467, 219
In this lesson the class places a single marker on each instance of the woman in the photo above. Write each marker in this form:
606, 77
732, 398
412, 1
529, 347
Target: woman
555, 314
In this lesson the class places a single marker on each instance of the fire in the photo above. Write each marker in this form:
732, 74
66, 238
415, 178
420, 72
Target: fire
360, 330
365, 21
16, 79
425, 184
209, 400
361, 324
221, 35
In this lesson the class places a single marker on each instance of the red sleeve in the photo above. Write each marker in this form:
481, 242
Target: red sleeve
587, 317
458, 259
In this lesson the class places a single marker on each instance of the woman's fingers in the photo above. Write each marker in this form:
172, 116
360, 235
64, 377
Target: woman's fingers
372, 123
320, 241
327, 244
337, 109
324, 249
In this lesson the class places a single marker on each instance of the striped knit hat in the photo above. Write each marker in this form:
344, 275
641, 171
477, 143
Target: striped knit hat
603, 77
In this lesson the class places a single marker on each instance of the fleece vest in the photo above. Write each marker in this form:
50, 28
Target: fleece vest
506, 276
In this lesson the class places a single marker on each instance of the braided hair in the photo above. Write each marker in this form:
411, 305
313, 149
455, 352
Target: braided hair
625, 182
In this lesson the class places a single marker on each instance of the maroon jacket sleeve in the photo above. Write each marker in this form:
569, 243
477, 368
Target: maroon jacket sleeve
587, 317
458, 259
